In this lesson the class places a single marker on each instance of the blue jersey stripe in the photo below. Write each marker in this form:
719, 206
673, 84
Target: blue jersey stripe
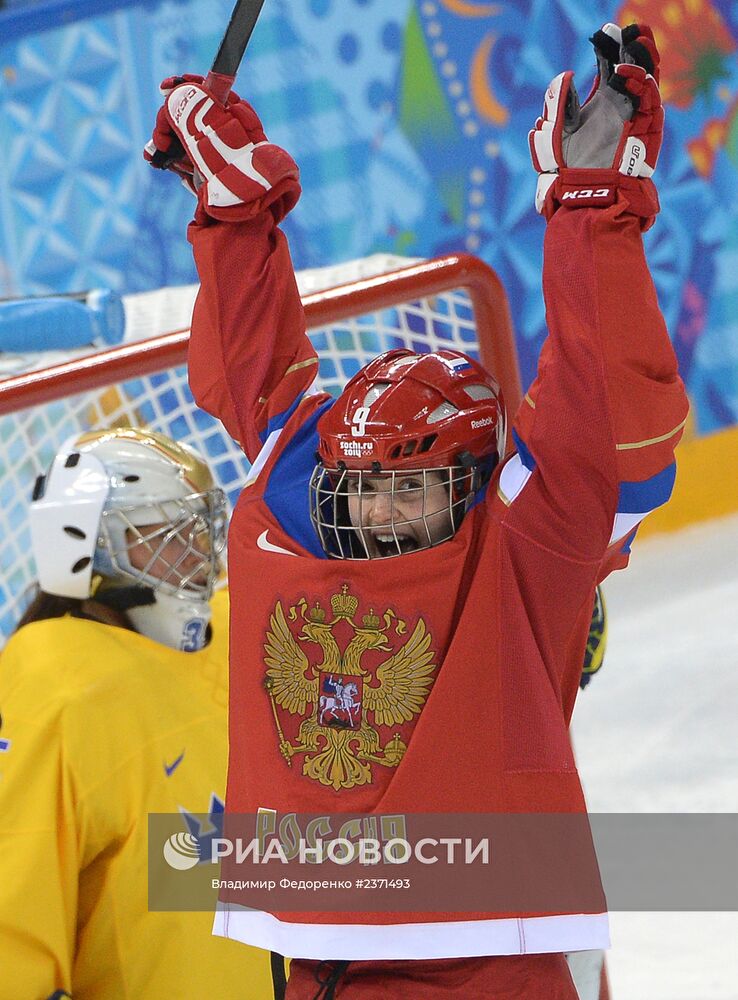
287, 494
277, 422
525, 456
639, 498
628, 541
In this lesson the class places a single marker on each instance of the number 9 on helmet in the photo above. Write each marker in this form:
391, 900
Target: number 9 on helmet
403, 452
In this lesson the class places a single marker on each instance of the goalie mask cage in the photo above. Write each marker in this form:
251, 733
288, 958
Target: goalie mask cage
451, 302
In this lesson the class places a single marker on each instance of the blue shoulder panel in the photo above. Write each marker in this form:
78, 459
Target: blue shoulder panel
639, 498
287, 493
281, 419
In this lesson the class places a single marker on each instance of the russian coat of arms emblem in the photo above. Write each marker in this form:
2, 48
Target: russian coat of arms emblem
352, 683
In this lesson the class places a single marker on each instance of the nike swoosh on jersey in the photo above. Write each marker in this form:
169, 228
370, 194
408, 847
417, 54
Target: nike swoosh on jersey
171, 768
263, 542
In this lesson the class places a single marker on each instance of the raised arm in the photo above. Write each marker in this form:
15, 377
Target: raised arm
597, 430
250, 360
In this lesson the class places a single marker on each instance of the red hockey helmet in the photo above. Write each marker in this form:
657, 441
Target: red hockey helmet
415, 411
405, 412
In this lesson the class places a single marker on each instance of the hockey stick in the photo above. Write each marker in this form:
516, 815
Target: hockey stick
222, 73
225, 65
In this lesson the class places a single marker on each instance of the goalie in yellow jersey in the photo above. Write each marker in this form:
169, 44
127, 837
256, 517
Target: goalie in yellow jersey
113, 695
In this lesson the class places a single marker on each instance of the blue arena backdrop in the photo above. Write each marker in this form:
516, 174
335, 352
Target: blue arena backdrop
408, 118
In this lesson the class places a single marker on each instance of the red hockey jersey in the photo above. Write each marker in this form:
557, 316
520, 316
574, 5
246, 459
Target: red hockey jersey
495, 619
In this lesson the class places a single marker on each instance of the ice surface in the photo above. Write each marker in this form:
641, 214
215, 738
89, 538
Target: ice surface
657, 731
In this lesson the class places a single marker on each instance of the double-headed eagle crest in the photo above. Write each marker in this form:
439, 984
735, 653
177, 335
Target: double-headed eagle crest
339, 691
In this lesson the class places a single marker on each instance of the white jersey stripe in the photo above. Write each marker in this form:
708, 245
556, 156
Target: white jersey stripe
624, 524
262, 458
449, 939
513, 478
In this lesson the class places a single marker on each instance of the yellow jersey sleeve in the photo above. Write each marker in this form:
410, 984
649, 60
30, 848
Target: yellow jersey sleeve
101, 727
39, 859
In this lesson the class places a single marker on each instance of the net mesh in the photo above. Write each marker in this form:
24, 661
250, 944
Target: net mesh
29, 438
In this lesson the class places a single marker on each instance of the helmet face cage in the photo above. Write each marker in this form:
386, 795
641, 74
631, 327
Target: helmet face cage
177, 548
408, 430
421, 508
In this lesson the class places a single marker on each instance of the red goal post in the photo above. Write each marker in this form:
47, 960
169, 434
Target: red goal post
455, 301
429, 278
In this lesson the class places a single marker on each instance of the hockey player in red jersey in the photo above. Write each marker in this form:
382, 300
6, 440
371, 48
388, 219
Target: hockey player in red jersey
489, 565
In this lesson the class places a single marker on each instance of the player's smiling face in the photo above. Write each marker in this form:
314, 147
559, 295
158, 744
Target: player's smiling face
401, 514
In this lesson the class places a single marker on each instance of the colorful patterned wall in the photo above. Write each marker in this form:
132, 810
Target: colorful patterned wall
409, 119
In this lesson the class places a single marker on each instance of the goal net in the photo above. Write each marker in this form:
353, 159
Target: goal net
354, 312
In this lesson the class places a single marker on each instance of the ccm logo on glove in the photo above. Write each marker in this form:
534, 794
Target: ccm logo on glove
634, 159
587, 193
179, 108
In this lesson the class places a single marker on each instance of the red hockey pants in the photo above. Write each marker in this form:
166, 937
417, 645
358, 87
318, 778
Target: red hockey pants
503, 977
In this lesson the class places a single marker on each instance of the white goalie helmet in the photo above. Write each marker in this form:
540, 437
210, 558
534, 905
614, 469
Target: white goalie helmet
133, 507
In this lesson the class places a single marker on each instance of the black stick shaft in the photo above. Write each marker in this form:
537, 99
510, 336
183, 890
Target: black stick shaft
236, 38
225, 65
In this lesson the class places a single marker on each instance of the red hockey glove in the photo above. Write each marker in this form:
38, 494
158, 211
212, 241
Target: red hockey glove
164, 150
222, 153
584, 153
